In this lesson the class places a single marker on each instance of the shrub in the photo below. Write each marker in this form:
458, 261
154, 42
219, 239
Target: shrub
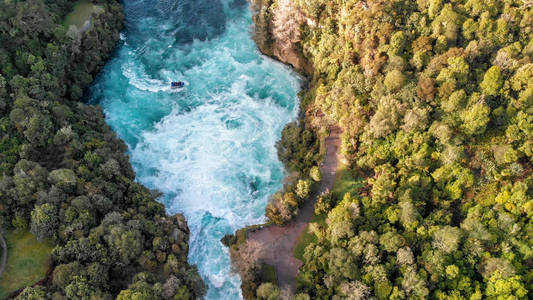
315, 174
303, 188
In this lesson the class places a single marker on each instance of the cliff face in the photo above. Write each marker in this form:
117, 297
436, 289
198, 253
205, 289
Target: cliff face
277, 32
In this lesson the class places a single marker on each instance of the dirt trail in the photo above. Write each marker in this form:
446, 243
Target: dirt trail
3, 255
277, 243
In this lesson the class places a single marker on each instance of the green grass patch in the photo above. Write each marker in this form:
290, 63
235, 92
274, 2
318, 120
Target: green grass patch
322, 136
27, 261
242, 233
268, 274
80, 13
307, 237
346, 181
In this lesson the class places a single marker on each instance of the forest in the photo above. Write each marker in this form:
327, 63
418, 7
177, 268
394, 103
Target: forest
64, 175
435, 101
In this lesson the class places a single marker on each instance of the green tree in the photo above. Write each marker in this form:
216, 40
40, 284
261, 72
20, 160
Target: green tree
492, 81
397, 43
44, 221
394, 80
414, 283
447, 239
63, 178
391, 241
499, 287
475, 119
64, 273
383, 185
125, 244
79, 289
298, 148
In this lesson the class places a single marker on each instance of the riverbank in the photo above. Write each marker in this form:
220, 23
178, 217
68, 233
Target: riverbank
276, 243
256, 249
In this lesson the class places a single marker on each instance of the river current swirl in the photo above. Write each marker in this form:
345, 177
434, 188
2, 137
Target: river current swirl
209, 147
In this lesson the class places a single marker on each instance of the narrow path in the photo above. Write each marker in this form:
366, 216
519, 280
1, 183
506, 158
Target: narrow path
3, 258
277, 242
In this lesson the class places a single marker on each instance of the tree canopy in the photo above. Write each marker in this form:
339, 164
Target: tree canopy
63, 172
435, 100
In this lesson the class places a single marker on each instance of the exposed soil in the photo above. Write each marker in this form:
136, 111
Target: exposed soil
277, 242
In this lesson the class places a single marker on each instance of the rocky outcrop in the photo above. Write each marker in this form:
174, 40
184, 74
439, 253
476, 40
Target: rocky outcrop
277, 31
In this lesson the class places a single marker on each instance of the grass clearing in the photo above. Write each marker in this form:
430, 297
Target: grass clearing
305, 239
346, 181
307, 236
80, 13
27, 261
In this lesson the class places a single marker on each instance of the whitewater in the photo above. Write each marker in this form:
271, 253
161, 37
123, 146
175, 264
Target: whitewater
210, 146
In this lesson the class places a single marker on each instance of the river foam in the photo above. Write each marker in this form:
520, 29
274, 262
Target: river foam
209, 147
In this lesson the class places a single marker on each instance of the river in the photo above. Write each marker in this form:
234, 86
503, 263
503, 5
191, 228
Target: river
209, 147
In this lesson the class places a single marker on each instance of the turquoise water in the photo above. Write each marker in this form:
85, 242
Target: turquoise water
209, 147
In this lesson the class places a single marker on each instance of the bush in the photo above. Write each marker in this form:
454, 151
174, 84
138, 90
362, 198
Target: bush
303, 188
315, 174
